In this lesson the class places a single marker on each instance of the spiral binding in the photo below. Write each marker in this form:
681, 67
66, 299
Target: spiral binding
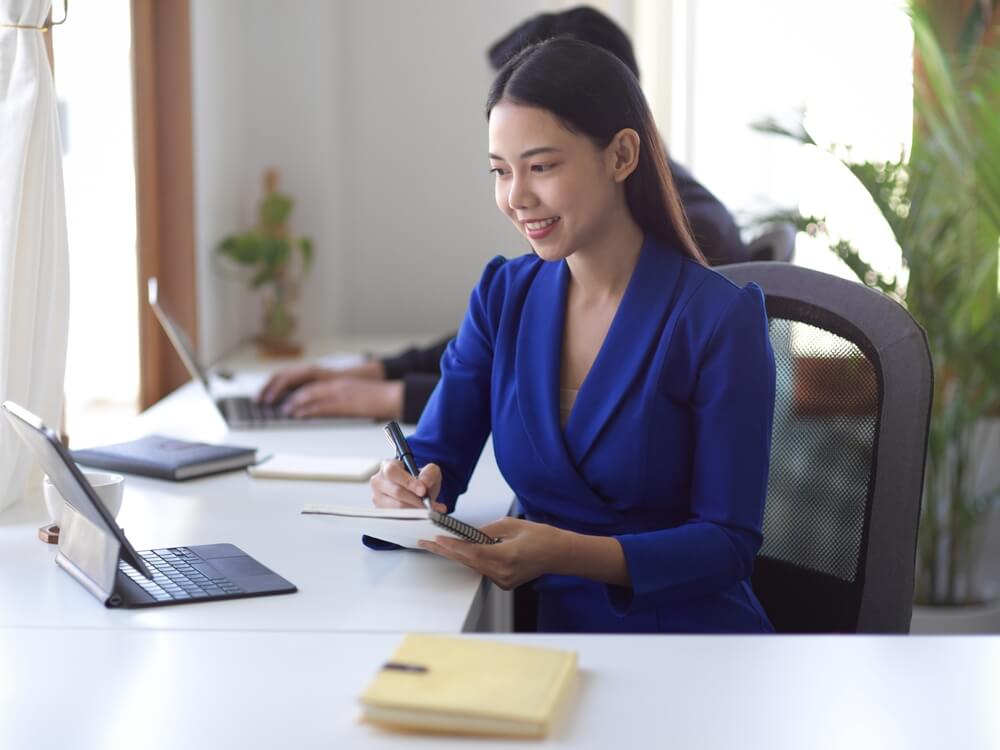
462, 529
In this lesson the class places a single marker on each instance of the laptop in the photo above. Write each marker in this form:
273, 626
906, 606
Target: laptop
90, 539
239, 412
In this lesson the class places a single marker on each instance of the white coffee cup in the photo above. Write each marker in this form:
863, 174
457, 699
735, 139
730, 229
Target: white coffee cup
109, 488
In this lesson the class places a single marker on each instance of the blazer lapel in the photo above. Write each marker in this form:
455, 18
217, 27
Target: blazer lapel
627, 350
538, 361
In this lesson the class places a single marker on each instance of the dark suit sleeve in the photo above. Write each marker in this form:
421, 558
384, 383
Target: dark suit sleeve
417, 390
420, 369
425, 359
714, 229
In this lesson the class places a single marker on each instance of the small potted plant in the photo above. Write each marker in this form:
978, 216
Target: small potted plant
276, 263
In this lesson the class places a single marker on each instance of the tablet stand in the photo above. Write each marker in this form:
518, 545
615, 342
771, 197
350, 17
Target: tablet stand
88, 554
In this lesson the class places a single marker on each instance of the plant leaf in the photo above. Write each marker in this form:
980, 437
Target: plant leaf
306, 245
275, 210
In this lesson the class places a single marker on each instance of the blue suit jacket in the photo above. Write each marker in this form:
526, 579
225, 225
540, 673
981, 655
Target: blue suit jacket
666, 447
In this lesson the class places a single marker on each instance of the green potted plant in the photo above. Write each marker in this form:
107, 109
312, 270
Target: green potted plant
942, 203
275, 263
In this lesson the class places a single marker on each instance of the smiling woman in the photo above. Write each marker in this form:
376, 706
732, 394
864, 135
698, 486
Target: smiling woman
643, 503
580, 143
565, 196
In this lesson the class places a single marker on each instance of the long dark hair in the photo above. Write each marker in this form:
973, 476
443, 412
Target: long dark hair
593, 93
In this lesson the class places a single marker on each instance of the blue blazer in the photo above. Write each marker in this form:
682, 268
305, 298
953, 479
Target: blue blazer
666, 447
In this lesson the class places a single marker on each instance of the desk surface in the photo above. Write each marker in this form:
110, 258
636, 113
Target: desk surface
175, 689
343, 586
285, 671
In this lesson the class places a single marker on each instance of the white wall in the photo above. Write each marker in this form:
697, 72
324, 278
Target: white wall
422, 221
373, 112
265, 81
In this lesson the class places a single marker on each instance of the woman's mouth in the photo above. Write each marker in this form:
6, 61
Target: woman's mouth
536, 229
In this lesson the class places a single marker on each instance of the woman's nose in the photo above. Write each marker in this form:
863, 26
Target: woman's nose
520, 196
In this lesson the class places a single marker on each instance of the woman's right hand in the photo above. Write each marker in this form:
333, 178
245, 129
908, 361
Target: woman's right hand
393, 487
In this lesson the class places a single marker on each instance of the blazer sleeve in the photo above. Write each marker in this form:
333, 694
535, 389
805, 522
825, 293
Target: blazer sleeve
732, 405
456, 422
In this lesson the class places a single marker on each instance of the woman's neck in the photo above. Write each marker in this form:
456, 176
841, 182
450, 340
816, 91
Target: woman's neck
603, 269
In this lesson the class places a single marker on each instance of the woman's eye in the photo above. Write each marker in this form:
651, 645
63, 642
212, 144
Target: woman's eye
500, 171
542, 167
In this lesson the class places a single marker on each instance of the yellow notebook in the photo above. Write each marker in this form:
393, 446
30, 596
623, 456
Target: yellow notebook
469, 686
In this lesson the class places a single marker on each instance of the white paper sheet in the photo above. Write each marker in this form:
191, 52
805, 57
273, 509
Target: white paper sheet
403, 526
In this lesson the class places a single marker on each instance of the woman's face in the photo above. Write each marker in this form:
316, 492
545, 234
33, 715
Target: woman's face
557, 187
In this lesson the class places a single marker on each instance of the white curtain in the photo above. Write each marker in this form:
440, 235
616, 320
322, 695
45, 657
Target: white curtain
34, 276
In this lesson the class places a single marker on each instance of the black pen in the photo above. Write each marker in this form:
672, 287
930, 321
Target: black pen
403, 453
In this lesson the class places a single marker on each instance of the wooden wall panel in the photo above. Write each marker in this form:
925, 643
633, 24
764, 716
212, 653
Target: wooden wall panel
161, 45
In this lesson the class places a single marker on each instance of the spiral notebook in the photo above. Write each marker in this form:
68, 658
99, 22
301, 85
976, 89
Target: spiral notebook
402, 526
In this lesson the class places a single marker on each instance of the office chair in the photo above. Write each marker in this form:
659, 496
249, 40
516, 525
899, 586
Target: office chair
851, 417
775, 242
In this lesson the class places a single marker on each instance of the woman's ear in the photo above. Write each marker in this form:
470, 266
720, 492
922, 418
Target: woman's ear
623, 153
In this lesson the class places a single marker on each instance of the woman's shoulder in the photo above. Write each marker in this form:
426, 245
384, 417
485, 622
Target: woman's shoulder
520, 265
710, 296
708, 286
502, 275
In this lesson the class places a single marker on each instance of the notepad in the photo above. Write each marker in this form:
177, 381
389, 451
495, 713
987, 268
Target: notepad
319, 468
470, 686
402, 526
166, 457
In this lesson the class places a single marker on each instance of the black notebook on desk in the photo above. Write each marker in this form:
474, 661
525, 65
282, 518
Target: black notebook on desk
166, 457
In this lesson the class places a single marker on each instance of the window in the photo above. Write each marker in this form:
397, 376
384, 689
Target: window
94, 86
847, 65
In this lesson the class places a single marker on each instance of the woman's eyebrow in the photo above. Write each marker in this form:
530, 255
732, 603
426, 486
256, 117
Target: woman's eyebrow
530, 152
540, 150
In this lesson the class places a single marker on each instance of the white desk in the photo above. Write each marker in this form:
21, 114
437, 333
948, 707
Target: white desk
286, 671
107, 689
343, 586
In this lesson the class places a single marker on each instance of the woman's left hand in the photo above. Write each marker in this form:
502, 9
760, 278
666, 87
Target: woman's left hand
526, 551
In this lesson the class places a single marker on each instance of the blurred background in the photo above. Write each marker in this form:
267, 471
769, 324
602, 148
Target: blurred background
372, 112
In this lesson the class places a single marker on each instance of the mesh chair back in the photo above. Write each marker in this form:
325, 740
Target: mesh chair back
852, 405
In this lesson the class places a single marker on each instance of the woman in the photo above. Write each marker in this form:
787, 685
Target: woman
628, 388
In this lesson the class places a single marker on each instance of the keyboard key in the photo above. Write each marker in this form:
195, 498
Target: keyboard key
174, 577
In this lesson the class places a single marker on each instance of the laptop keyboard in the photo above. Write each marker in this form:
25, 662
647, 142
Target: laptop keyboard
248, 410
175, 577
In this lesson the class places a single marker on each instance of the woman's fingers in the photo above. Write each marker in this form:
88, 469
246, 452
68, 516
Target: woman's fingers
392, 487
443, 546
430, 476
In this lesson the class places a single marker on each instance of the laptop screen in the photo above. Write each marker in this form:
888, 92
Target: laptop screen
67, 478
176, 335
